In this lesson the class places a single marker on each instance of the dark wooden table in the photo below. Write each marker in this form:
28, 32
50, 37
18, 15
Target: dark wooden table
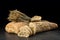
49, 35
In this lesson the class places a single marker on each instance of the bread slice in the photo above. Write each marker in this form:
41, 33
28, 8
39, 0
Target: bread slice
24, 32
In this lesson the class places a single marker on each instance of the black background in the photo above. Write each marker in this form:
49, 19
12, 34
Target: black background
49, 10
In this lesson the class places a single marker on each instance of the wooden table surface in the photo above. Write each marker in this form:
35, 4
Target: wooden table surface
49, 35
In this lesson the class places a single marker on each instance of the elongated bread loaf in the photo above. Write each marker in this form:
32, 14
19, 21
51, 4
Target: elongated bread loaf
24, 30
42, 26
35, 27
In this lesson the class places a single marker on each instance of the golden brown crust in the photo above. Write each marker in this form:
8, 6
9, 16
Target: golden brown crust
24, 26
25, 31
36, 18
13, 27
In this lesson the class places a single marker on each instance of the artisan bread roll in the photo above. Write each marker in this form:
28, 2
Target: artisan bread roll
13, 27
9, 27
36, 18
